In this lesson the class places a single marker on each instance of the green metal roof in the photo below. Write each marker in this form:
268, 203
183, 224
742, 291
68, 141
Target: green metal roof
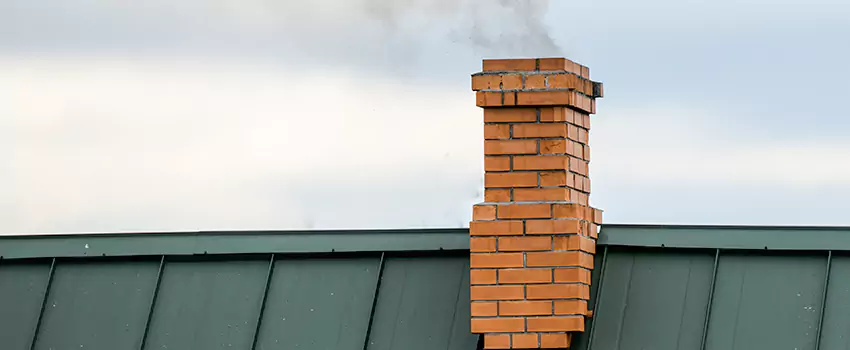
656, 287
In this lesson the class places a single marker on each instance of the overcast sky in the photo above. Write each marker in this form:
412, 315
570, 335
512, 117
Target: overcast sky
279, 114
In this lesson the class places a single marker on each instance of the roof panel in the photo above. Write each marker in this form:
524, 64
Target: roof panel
208, 304
766, 302
836, 319
319, 303
22, 286
418, 305
97, 305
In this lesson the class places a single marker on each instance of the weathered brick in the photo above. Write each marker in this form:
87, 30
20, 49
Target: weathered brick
510, 115
482, 245
503, 180
535, 81
572, 275
496, 292
541, 163
572, 211
556, 324
495, 260
554, 340
524, 211
552, 226
497, 325
511, 82
482, 276
524, 243
557, 259
499, 163
495, 228
541, 194
509, 65
497, 131
497, 195
575, 243
510, 147
525, 341
514, 276
484, 212
497, 341
486, 82
539, 130
553, 146
557, 291
570, 307
479, 308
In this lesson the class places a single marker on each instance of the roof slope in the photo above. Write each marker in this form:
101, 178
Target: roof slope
353, 300
722, 288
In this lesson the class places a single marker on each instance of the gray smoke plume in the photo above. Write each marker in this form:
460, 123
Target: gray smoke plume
490, 27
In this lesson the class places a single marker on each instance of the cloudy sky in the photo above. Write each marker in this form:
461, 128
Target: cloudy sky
279, 114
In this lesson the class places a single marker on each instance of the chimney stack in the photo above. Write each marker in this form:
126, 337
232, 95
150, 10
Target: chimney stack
533, 238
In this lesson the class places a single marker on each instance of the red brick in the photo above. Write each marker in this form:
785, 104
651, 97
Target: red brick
486, 82
497, 341
553, 146
484, 212
497, 131
557, 259
575, 149
497, 325
572, 275
556, 114
539, 130
496, 260
482, 277
482, 245
524, 243
558, 64
495, 228
484, 309
552, 226
556, 324
585, 72
511, 82
572, 211
510, 147
488, 99
515, 276
580, 198
597, 216
541, 163
496, 292
554, 341
535, 81
557, 291
583, 136
575, 243
525, 308
510, 65
506, 115
553, 179
524, 211
570, 307
503, 180
545, 98
525, 341
541, 194
497, 195
578, 166
500, 163
586, 154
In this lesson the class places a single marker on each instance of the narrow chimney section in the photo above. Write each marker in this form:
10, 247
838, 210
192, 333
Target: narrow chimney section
533, 238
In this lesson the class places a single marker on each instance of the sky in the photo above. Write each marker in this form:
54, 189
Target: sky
269, 115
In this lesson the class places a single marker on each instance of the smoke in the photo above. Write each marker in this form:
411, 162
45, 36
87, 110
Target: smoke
489, 27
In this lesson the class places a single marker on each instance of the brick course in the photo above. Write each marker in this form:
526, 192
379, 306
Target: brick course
532, 241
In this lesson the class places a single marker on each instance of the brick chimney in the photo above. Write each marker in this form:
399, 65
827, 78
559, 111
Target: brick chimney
533, 238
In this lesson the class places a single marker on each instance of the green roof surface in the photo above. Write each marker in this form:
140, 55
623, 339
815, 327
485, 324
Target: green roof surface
655, 287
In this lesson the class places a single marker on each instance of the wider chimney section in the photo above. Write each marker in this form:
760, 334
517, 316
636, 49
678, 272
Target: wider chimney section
533, 239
